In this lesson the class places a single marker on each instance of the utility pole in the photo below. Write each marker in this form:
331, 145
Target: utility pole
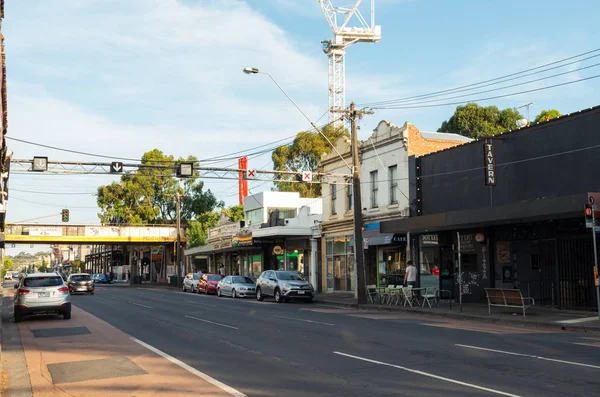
178, 259
359, 254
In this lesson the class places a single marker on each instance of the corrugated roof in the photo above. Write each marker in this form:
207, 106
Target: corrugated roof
445, 136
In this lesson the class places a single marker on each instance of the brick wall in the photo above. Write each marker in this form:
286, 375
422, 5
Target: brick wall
419, 146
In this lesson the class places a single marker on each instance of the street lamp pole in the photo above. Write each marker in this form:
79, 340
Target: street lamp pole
178, 259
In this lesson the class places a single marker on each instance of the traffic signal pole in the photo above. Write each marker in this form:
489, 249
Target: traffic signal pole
595, 258
178, 259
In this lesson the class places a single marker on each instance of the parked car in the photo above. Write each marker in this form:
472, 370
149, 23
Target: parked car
8, 276
41, 293
283, 285
80, 282
208, 283
190, 282
236, 286
101, 279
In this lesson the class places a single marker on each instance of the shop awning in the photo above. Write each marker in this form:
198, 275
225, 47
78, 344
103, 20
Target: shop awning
550, 208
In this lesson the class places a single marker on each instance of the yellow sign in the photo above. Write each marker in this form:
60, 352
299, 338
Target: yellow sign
18, 238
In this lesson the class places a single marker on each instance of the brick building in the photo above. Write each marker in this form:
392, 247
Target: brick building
385, 191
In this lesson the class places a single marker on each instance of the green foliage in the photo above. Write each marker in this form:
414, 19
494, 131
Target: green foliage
304, 154
234, 213
546, 115
476, 121
147, 196
6, 266
43, 269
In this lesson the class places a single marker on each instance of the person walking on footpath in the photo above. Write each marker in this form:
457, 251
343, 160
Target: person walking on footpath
410, 277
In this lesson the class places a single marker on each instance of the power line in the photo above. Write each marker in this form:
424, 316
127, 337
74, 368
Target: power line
45, 192
47, 204
485, 81
488, 98
500, 88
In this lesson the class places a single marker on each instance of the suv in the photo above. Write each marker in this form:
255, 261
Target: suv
283, 285
41, 293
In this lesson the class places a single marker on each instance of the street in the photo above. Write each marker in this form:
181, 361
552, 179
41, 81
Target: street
300, 349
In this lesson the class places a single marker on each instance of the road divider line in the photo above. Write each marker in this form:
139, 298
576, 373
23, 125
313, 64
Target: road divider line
139, 304
416, 371
301, 319
227, 389
212, 322
203, 304
530, 356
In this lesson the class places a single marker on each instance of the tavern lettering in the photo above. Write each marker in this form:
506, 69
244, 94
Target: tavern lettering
490, 164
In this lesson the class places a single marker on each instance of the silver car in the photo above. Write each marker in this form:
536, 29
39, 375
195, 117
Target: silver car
190, 282
283, 285
236, 286
41, 293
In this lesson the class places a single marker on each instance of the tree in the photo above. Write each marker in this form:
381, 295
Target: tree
304, 154
147, 196
474, 121
546, 115
234, 213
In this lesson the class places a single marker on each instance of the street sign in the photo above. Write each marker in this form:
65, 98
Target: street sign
116, 167
592, 215
250, 174
306, 176
185, 170
40, 164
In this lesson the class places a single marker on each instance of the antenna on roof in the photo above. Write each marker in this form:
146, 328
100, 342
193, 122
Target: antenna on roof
522, 106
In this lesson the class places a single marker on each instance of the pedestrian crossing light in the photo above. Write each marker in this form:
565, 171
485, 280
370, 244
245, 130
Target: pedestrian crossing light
65, 215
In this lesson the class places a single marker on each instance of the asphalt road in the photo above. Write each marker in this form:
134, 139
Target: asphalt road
301, 349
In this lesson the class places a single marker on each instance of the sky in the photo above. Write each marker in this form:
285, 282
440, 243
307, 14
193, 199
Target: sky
119, 78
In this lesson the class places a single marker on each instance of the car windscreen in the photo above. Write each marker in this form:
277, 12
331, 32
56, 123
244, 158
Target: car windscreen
242, 280
51, 281
80, 278
289, 276
214, 277
197, 276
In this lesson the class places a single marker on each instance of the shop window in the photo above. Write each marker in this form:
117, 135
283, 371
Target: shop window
393, 175
429, 259
391, 266
254, 217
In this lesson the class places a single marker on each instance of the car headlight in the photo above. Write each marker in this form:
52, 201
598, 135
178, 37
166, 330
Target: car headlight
286, 285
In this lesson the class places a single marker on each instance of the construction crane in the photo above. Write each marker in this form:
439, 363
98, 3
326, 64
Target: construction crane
343, 37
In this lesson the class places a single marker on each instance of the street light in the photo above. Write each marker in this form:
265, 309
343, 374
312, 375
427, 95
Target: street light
249, 70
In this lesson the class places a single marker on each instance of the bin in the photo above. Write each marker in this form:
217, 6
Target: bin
173, 281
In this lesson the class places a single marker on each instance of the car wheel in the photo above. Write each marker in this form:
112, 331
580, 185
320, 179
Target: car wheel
277, 296
18, 316
259, 296
92, 292
233, 295
183, 289
219, 292
67, 315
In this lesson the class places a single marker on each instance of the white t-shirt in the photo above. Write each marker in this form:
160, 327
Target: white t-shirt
411, 273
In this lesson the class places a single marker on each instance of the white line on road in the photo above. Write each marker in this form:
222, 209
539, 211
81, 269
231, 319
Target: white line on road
300, 319
201, 375
139, 304
212, 322
578, 320
530, 356
203, 304
415, 371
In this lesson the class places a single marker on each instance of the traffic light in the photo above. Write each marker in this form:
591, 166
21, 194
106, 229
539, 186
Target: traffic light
589, 213
145, 261
65, 215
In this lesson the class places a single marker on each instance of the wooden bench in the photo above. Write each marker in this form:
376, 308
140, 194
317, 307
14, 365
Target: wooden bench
507, 298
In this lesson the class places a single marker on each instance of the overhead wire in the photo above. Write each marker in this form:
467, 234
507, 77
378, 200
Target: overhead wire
455, 89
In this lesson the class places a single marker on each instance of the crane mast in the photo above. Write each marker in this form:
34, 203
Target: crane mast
343, 37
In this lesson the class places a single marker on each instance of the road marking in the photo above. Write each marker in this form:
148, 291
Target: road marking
578, 320
530, 356
300, 319
415, 371
203, 304
201, 375
212, 322
139, 304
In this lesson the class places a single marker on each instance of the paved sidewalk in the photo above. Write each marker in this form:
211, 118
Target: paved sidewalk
541, 317
86, 356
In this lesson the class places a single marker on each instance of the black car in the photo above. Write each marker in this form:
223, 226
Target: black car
102, 279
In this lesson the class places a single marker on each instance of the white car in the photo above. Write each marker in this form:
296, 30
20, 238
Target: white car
190, 282
8, 276
236, 287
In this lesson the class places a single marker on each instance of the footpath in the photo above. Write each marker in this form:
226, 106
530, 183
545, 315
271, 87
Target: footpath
536, 316
85, 356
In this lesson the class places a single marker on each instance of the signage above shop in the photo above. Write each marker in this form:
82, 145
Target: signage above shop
266, 241
429, 239
489, 155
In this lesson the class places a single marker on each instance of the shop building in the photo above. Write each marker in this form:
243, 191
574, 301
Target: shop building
280, 232
514, 205
386, 195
